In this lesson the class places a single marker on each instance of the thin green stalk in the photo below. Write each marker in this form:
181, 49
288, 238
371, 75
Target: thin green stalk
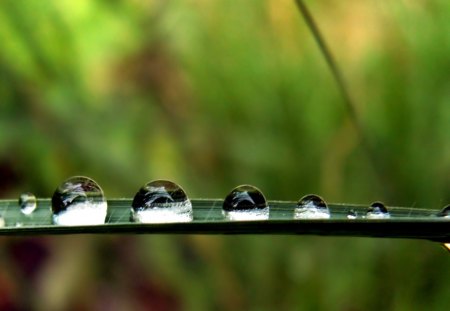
343, 88
410, 223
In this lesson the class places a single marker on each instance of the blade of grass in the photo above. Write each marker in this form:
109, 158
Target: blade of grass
208, 219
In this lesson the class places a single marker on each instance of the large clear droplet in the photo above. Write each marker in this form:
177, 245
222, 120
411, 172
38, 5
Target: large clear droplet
245, 202
377, 211
27, 203
445, 212
79, 201
311, 207
161, 201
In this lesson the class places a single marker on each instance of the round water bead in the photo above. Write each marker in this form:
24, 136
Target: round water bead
446, 246
377, 210
245, 202
351, 214
161, 201
445, 212
27, 203
79, 201
311, 207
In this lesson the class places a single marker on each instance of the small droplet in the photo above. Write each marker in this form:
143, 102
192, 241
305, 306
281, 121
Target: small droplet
352, 214
79, 201
245, 202
161, 201
311, 207
27, 202
377, 211
2, 222
445, 212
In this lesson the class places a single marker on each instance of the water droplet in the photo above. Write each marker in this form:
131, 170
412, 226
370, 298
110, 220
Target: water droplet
161, 201
79, 201
2, 222
446, 246
245, 202
445, 212
377, 211
27, 202
352, 214
311, 207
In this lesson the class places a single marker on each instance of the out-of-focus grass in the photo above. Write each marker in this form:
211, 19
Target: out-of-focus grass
212, 94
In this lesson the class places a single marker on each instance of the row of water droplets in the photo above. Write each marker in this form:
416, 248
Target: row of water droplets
80, 201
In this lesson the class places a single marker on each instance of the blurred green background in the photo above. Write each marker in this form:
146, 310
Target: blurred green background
212, 94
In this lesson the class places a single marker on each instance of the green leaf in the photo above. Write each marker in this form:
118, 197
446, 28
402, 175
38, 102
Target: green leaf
403, 222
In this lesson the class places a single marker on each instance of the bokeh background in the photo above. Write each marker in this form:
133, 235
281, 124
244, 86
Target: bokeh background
212, 94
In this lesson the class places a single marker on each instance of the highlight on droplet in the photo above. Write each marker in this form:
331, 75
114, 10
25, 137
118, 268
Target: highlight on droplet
161, 201
79, 201
445, 212
351, 214
27, 203
245, 202
311, 206
377, 210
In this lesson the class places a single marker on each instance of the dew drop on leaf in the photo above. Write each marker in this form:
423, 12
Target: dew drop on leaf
377, 210
311, 207
446, 246
161, 201
351, 214
245, 202
27, 203
79, 201
445, 212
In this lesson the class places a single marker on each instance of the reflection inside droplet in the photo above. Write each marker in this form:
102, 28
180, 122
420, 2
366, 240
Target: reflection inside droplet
352, 214
161, 201
27, 203
446, 246
377, 211
445, 212
311, 207
245, 202
79, 201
